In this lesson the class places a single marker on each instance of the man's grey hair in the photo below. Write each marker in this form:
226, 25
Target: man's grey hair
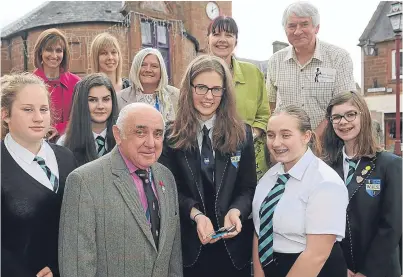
302, 9
128, 109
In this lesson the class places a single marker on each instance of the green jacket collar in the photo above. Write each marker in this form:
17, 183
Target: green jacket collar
238, 75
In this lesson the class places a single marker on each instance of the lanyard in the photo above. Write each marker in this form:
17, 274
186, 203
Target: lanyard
157, 105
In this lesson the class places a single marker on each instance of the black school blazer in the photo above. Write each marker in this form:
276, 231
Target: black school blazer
235, 188
30, 216
374, 217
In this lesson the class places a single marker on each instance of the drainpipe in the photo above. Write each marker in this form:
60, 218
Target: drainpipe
24, 37
192, 39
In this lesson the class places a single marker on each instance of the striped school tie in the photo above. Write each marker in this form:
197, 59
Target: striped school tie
101, 145
266, 219
352, 166
52, 178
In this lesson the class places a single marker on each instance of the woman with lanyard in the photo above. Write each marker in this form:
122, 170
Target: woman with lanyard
33, 174
51, 59
106, 57
299, 206
94, 112
210, 152
149, 79
250, 89
374, 181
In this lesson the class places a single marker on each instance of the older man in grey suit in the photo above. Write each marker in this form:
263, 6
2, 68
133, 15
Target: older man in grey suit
120, 212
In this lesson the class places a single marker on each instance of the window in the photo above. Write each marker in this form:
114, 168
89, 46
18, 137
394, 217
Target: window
394, 66
156, 35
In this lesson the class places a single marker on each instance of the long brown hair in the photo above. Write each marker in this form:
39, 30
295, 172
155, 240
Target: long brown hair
365, 143
47, 38
304, 125
11, 85
229, 129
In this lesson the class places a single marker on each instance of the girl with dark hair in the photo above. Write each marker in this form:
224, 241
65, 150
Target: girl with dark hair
94, 112
210, 153
374, 181
51, 60
299, 206
33, 174
250, 89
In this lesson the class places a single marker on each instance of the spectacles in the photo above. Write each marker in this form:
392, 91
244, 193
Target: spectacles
203, 89
348, 116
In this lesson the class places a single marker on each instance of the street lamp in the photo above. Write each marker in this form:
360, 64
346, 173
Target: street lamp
395, 17
370, 49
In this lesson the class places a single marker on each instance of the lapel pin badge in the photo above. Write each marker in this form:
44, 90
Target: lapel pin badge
162, 186
365, 170
359, 179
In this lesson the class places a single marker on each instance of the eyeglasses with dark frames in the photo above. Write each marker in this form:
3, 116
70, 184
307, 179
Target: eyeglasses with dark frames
203, 89
348, 116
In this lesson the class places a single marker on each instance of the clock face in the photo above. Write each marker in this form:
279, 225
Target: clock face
212, 10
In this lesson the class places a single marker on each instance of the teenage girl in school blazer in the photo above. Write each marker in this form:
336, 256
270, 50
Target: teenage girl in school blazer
374, 181
33, 173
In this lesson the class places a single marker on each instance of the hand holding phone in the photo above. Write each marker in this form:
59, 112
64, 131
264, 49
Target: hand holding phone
223, 231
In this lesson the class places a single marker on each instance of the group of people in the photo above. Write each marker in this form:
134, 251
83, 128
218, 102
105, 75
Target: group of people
108, 176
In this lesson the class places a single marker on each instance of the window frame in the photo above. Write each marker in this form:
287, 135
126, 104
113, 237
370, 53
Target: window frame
163, 48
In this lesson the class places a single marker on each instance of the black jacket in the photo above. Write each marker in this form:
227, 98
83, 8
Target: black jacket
235, 187
374, 220
30, 216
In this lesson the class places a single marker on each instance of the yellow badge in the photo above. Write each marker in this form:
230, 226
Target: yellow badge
367, 167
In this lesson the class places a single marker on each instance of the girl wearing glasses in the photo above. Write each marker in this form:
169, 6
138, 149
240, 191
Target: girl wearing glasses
51, 59
94, 112
374, 181
33, 174
210, 152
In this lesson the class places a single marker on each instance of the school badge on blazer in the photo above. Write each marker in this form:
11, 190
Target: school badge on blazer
373, 187
236, 158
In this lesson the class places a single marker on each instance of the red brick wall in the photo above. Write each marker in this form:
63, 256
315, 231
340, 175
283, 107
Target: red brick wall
379, 67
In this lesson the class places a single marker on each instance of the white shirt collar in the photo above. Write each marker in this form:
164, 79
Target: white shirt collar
209, 122
298, 170
102, 134
345, 154
23, 153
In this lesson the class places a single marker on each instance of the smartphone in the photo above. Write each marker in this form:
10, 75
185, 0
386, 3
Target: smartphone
222, 231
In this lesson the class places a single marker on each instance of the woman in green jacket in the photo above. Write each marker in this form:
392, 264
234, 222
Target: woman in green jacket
251, 96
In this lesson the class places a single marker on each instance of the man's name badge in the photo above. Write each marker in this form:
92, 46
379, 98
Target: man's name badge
206, 161
373, 187
324, 75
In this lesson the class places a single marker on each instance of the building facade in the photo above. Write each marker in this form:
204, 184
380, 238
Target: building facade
177, 28
378, 71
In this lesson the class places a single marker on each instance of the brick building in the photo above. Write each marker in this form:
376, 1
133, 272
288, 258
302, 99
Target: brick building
378, 70
177, 28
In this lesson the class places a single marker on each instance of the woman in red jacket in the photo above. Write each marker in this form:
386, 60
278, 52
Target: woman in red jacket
51, 59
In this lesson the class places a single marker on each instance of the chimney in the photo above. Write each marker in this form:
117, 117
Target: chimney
278, 45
